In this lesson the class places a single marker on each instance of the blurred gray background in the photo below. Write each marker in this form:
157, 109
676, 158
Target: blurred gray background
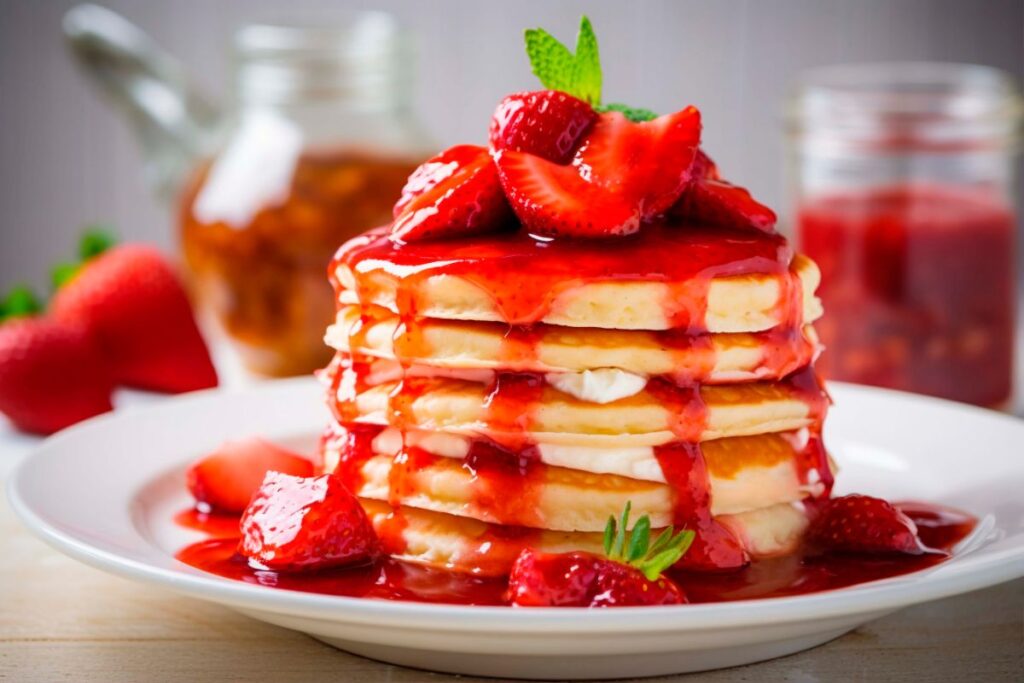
66, 159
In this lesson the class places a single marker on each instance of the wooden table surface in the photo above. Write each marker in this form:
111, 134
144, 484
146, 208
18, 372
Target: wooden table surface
64, 621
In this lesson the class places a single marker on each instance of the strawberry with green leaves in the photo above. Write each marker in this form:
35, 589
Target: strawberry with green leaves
629, 573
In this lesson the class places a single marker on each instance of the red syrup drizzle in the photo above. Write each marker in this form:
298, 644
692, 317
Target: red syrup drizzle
525, 276
801, 573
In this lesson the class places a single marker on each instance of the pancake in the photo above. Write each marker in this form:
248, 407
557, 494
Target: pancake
549, 497
551, 416
716, 358
691, 278
468, 545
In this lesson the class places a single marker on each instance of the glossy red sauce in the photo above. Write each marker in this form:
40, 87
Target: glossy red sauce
524, 276
797, 574
918, 283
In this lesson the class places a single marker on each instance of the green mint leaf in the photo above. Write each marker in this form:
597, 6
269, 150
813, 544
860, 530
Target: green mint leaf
587, 65
21, 301
559, 69
95, 240
639, 539
61, 273
634, 114
550, 61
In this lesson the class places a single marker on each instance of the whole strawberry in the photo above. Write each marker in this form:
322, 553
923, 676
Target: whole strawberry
302, 523
545, 123
862, 524
628, 575
132, 302
52, 374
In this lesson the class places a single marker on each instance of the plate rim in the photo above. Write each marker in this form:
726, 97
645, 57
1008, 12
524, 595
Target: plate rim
886, 595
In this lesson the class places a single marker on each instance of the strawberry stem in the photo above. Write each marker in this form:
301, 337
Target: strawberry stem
635, 548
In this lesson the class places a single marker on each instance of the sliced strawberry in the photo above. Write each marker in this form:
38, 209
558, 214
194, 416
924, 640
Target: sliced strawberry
579, 579
704, 167
52, 374
296, 523
554, 200
546, 123
133, 303
716, 202
226, 479
648, 164
455, 194
862, 524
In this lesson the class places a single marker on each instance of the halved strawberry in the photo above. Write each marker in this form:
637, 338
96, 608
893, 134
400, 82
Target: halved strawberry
862, 524
52, 374
296, 523
705, 167
629, 574
554, 200
454, 194
226, 479
648, 164
133, 303
546, 123
716, 202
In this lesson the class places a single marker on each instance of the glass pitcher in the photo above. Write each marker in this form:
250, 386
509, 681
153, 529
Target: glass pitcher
314, 147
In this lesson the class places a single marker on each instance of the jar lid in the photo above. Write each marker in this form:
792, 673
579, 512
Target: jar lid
902, 106
362, 56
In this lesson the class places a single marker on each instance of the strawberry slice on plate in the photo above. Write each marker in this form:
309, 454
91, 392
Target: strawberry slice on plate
546, 123
454, 194
629, 573
52, 374
716, 202
132, 302
226, 479
554, 200
863, 524
297, 523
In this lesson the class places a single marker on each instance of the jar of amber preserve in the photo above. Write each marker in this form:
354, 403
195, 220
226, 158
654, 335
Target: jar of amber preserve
318, 145
903, 193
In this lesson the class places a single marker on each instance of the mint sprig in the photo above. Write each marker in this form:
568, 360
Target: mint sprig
579, 73
635, 548
557, 68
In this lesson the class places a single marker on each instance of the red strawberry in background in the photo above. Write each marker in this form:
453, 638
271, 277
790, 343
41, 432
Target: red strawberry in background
297, 523
862, 524
629, 574
52, 374
624, 173
545, 123
134, 305
226, 479
454, 194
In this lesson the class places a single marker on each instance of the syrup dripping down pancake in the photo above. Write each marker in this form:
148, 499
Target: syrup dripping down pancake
665, 277
517, 488
472, 546
713, 358
524, 404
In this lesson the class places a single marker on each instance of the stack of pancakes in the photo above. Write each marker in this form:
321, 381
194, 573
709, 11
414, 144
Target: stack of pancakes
497, 395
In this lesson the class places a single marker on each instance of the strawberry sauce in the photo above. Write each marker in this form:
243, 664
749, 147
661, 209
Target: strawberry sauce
524, 276
798, 574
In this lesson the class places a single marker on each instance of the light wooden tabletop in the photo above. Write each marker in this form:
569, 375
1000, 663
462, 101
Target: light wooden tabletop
64, 621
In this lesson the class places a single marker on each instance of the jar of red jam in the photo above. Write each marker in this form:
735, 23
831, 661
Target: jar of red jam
317, 148
903, 193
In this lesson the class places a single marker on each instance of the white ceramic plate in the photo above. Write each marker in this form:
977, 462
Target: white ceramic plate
104, 492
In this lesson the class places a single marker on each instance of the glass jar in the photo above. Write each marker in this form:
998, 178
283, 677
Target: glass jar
902, 179
318, 146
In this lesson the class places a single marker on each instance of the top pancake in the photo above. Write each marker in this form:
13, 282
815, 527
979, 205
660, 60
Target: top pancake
665, 277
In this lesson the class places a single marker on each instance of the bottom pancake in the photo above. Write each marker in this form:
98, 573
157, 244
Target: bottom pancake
467, 545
